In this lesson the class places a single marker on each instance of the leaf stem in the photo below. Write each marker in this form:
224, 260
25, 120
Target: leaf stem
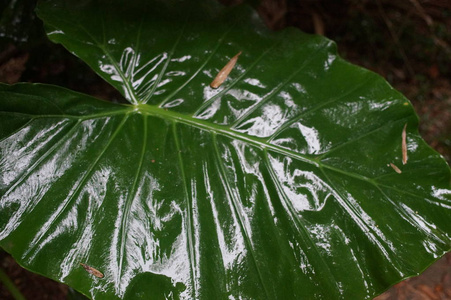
10, 286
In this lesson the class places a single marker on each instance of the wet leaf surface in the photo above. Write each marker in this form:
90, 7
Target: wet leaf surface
275, 185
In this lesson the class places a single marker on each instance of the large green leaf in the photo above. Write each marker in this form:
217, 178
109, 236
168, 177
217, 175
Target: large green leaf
276, 185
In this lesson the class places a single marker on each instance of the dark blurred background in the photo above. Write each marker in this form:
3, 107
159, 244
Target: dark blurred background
408, 42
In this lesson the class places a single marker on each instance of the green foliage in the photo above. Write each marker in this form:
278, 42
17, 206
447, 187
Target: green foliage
276, 185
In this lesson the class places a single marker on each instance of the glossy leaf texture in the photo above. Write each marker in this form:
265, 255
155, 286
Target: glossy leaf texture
276, 185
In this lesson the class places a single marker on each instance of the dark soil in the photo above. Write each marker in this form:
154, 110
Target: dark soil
407, 42
32, 286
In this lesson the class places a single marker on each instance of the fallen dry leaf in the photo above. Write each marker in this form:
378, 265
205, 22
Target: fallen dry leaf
92, 271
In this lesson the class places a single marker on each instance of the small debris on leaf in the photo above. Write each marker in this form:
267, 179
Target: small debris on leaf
222, 75
397, 170
404, 145
92, 271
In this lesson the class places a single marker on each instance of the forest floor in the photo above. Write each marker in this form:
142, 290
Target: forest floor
407, 42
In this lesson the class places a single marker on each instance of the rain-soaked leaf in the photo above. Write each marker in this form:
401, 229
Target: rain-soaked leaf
275, 185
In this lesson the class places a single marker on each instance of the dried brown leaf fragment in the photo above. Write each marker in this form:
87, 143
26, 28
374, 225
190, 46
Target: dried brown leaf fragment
397, 170
225, 71
92, 271
404, 145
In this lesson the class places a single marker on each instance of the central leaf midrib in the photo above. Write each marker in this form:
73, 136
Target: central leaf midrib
262, 143
229, 132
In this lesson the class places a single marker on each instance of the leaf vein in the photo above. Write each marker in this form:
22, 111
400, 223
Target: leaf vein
232, 196
165, 66
355, 216
315, 108
278, 88
300, 227
202, 66
130, 198
233, 83
41, 159
48, 224
348, 142
189, 208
